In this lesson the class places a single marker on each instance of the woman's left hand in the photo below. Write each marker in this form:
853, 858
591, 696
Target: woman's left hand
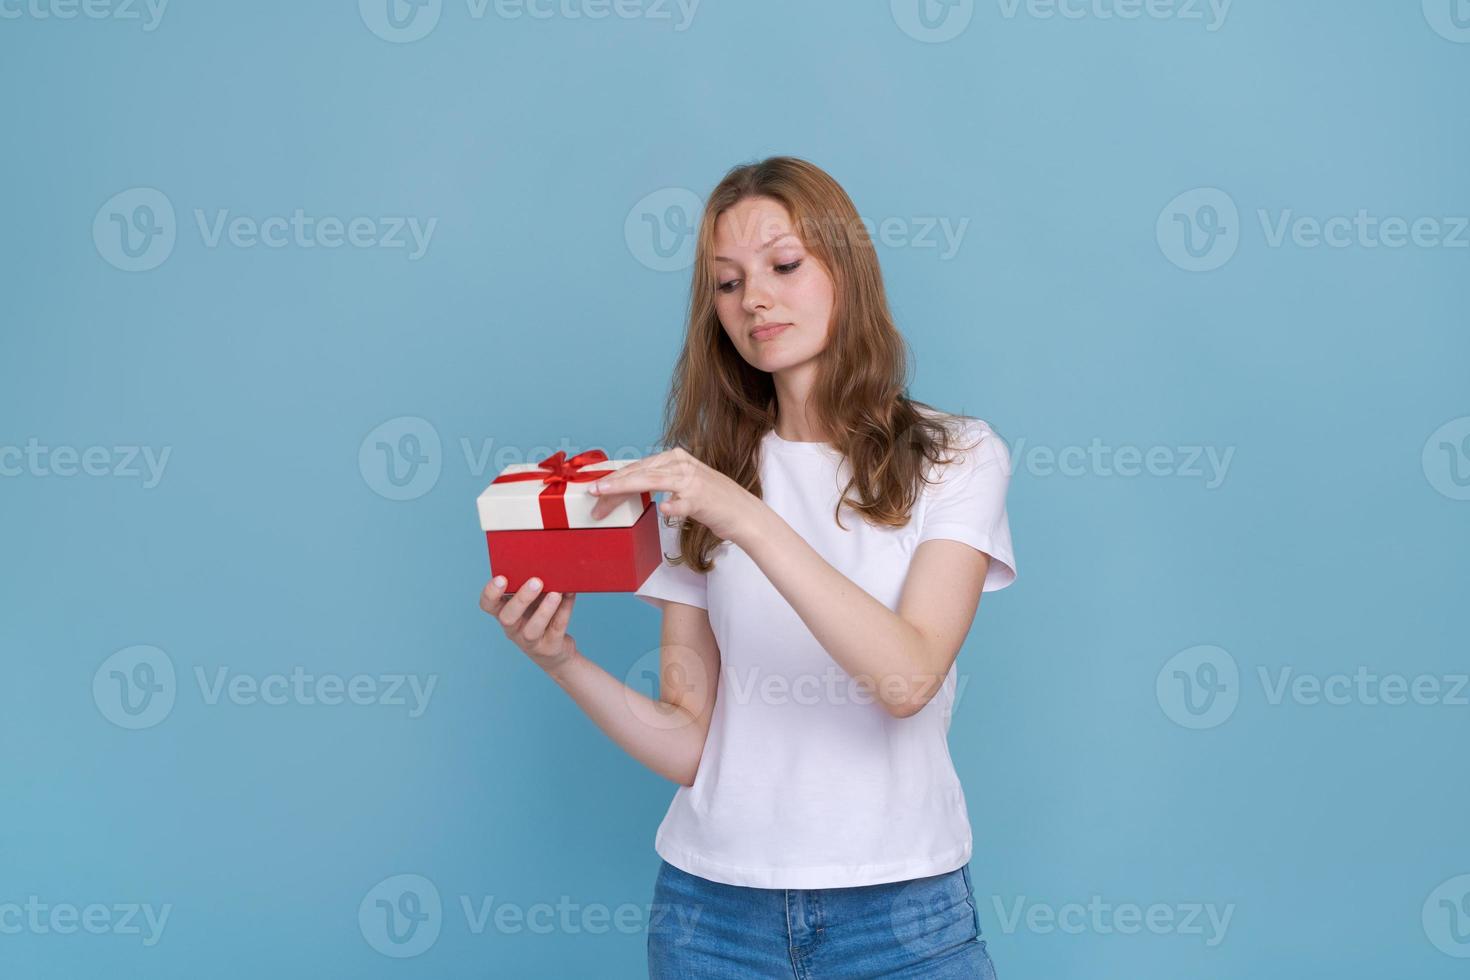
695, 490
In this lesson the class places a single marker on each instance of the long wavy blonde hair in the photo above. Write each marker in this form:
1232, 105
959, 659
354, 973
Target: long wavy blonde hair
719, 407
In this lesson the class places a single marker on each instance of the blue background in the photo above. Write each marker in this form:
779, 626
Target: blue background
533, 321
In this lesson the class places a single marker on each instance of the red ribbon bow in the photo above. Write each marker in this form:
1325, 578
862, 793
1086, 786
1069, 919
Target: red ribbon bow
556, 471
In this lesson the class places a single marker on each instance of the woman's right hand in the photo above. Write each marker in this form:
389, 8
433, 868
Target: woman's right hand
539, 628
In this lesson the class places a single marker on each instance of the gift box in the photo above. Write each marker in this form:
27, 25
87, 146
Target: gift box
537, 519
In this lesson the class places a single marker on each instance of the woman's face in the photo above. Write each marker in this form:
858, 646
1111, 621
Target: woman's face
766, 277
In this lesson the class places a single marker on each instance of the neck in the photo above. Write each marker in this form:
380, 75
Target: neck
795, 421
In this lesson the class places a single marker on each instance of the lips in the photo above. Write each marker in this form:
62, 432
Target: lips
769, 331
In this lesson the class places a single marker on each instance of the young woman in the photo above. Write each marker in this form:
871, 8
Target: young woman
834, 537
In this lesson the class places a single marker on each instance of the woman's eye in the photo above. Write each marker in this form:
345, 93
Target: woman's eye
785, 270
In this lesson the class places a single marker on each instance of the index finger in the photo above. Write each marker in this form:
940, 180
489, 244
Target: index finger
492, 596
635, 466
629, 480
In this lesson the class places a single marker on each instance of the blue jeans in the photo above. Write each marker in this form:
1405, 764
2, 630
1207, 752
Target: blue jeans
925, 927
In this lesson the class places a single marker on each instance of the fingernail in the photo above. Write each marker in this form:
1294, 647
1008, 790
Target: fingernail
500, 581
533, 584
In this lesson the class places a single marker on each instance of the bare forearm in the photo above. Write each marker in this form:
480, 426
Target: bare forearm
664, 737
871, 642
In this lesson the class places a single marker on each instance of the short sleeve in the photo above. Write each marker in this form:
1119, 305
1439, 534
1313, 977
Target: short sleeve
969, 502
676, 583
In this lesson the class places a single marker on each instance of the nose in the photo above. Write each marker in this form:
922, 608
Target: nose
756, 295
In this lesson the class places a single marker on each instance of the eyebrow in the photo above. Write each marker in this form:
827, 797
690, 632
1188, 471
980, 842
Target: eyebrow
722, 258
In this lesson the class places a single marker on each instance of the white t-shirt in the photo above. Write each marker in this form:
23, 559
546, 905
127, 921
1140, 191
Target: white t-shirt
806, 781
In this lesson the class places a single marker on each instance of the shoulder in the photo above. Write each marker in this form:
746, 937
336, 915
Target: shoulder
952, 420
973, 442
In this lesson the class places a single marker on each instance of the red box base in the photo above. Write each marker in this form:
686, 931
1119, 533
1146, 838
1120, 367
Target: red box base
586, 559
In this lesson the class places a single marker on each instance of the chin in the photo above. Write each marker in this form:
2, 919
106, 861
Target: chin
777, 361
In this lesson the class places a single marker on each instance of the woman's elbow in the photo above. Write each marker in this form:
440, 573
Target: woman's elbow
907, 707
